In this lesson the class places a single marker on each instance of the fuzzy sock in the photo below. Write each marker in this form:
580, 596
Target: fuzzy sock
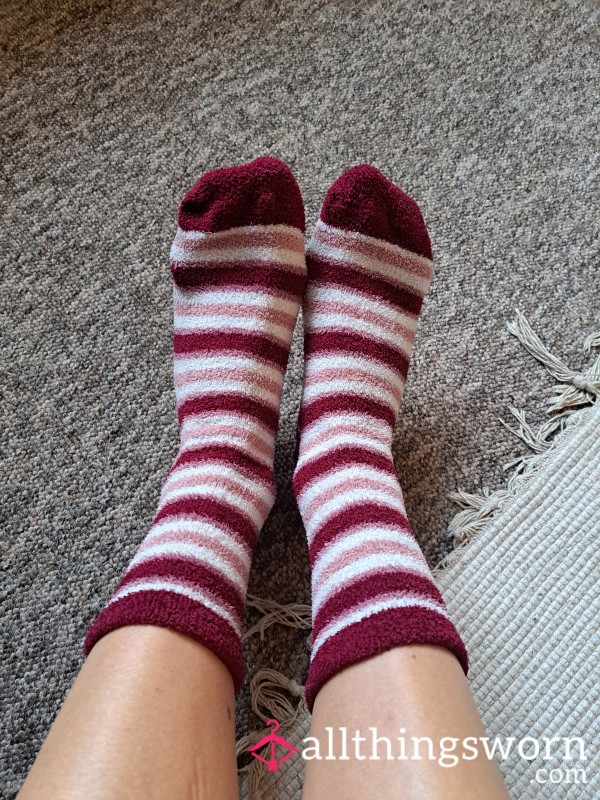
369, 267
239, 274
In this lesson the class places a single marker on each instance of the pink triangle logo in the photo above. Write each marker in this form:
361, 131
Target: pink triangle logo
274, 741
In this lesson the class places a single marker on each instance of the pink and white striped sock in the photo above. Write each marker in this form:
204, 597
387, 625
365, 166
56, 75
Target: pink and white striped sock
239, 274
369, 267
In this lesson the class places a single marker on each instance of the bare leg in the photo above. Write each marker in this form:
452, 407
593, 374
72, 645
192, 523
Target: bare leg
416, 690
150, 716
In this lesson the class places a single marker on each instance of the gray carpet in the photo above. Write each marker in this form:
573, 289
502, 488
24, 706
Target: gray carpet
484, 111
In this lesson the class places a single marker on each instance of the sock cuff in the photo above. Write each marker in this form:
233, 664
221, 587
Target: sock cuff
178, 613
376, 634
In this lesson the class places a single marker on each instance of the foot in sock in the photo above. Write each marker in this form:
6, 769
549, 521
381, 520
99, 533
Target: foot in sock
239, 274
369, 267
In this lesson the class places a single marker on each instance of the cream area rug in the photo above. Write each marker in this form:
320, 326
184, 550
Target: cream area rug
523, 592
522, 588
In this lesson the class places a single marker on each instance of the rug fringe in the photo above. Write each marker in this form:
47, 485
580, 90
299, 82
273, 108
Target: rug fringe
575, 388
576, 391
292, 615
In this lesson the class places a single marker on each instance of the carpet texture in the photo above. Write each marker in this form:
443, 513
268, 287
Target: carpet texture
484, 112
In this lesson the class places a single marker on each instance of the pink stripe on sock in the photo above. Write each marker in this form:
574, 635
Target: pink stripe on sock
197, 540
222, 484
370, 547
252, 378
235, 423
238, 311
387, 253
235, 238
353, 311
350, 375
228, 433
382, 492
339, 429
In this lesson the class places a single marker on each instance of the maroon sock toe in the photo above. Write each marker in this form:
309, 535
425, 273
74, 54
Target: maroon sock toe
365, 201
261, 192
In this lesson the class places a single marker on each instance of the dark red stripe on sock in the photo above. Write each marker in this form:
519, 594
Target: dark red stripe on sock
337, 274
356, 344
199, 575
343, 404
252, 344
237, 403
369, 587
255, 275
236, 457
207, 508
342, 456
352, 516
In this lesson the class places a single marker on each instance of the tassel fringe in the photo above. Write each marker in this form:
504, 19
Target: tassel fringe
293, 615
575, 391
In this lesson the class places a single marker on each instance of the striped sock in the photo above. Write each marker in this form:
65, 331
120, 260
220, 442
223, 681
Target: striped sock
239, 274
369, 267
